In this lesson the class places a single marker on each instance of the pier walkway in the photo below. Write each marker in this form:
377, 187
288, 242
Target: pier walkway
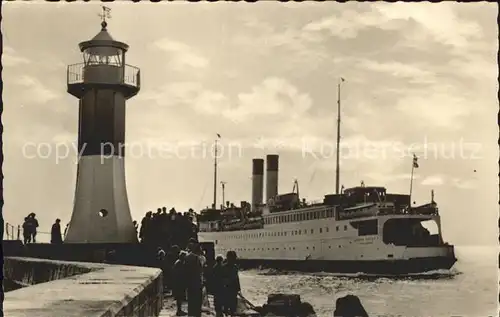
60, 288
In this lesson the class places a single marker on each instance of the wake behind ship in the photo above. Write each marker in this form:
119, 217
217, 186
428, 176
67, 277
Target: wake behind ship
362, 229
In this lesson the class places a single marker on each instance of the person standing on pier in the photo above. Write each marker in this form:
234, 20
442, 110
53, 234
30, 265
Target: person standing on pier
55, 232
194, 280
179, 282
231, 283
144, 232
26, 230
172, 257
136, 227
33, 224
217, 278
66, 230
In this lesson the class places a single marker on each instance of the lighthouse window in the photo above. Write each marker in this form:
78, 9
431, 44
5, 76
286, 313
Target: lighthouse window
103, 55
337, 228
300, 231
345, 228
320, 230
312, 231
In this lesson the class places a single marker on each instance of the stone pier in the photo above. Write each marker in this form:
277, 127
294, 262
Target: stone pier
60, 288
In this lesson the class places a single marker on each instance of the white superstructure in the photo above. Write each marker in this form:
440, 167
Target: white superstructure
318, 237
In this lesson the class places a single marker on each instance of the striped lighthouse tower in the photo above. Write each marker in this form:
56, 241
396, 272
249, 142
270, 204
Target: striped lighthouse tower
102, 83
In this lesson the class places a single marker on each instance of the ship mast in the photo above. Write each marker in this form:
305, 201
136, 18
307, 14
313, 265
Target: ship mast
296, 188
337, 171
223, 184
214, 205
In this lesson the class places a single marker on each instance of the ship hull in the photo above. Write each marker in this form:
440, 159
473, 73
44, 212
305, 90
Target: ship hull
379, 267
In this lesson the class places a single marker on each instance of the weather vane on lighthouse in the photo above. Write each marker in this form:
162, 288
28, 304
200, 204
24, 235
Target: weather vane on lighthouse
106, 13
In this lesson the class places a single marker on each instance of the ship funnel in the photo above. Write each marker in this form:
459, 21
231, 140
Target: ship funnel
257, 182
271, 176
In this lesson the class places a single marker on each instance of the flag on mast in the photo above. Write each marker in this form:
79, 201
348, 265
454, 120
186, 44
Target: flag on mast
415, 161
342, 79
218, 135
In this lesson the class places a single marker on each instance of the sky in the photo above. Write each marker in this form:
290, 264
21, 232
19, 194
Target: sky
419, 78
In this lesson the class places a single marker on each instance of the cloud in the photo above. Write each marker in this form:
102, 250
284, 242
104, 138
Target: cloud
414, 73
182, 56
274, 96
191, 94
443, 108
463, 184
435, 180
302, 50
35, 91
349, 23
172, 94
11, 59
211, 103
441, 24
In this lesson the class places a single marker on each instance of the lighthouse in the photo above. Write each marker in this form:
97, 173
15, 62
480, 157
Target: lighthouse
102, 84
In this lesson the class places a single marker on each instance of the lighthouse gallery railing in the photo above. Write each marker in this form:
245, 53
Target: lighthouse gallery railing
131, 74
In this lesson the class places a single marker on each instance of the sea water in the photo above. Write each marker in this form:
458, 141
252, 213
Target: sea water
470, 288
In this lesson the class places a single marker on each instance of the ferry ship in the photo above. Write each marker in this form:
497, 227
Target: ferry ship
362, 229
